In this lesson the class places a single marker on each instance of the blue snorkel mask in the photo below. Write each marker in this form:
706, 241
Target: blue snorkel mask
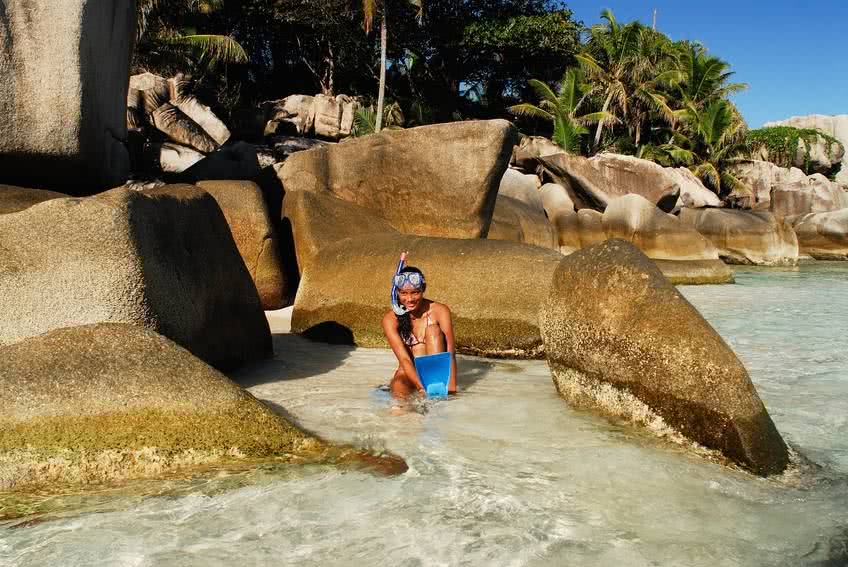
399, 280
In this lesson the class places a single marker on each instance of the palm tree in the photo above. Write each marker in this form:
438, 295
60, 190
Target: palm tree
705, 78
369, 7
561, 109
628, 67
711, 141
161, 45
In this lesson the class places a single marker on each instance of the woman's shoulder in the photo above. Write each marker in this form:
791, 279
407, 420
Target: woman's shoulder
438, 308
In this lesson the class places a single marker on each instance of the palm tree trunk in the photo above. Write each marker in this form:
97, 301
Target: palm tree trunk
601, 123
381, 93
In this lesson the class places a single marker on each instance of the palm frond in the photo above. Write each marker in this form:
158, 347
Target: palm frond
214, 48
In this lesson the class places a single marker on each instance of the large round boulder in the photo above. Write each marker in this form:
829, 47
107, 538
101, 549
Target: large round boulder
824, 236
111, 402
162, 258
439, 180
745, 237
256, 239
621, 339
63, 95
344, 292
14, 199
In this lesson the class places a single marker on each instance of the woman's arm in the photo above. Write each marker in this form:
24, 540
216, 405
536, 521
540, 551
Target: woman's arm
446, 324
399, 348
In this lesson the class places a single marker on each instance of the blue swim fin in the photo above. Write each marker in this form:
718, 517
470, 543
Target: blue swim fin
434, 371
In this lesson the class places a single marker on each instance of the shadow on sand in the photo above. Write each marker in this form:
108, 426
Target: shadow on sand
295, 358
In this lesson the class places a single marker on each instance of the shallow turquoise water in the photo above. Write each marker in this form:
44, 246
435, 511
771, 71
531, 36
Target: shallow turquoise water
507, 474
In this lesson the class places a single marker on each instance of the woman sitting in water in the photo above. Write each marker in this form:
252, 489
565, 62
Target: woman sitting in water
424, 328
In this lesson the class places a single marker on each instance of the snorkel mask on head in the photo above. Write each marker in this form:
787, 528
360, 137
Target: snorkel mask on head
414, 279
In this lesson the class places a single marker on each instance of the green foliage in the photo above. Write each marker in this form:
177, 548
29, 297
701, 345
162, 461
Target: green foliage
561, 109
365, 119
782, 143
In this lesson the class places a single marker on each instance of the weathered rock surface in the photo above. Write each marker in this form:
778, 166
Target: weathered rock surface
478, 279
821, 156
620, 339
562, 216
174, 158
319, 115
256, 239
657, 234
524, 187
816, 194
683, 255
824, 236
162, 259
745, 237
593, 182
234, 161
320, 219
519, 221
788, 192
14, 199
529, 148
63, 94
111, 402
175, 124
439, 180
693, 193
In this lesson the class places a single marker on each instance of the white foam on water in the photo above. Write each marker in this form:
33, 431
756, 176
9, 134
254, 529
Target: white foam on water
507, 473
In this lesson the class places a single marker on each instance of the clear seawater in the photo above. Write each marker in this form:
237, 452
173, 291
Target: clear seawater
506, 473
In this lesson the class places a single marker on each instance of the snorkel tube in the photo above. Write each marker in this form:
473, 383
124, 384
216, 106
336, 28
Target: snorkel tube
396, 306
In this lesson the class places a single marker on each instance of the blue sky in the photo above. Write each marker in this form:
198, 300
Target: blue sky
792, 54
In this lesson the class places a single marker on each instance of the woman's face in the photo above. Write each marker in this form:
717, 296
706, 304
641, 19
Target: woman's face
410, 297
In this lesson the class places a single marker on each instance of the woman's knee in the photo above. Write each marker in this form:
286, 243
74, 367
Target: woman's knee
434, 339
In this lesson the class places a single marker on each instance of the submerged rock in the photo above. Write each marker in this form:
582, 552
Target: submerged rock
63, 95
493, 288
111, 402
256, 239
162, 258
620, 339
745, 237
439, 180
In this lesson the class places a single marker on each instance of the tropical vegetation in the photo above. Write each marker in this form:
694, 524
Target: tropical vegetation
622, 87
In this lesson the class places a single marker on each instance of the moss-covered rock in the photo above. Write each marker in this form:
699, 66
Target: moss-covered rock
111, 402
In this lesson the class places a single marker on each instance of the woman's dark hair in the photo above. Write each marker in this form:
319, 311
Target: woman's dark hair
404, 321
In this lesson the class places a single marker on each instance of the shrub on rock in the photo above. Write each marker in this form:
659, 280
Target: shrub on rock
620, 339
163, 259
